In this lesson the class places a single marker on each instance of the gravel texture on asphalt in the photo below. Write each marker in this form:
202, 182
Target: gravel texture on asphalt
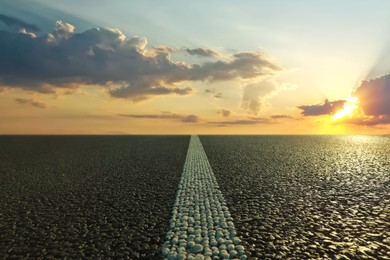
306, 197
88, 196
201, 226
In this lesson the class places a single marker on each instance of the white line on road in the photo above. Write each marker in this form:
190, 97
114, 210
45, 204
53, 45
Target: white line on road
201, 226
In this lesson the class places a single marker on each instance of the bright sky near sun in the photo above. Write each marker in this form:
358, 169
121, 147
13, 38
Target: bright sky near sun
206, 67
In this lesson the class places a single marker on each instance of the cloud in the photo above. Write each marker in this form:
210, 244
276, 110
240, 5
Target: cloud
224, 112
203, 52
373, 106
213, 91
31, 102
244, 65
329, 107
374, 96
165, 49
126, 67
17, 24
281, 117
250, 121
374, 102
254, 94
190, 119
165, 115
142, 92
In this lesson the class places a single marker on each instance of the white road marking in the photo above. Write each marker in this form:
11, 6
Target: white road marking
201, 226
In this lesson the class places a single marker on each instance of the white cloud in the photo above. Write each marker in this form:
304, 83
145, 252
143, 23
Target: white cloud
255, 94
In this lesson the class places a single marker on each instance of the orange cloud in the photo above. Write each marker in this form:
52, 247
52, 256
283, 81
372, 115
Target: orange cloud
31, 102
165, 115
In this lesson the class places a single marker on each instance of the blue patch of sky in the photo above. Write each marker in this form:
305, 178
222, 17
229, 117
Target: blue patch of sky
285, 29
44, 16
244, 24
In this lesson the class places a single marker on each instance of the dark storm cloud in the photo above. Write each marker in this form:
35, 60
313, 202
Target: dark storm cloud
203, 52
106, 57
329, 107
17, 24
30, 102
165, 115
374, 96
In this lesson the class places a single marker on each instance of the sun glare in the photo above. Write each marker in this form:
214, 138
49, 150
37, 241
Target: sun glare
349, 106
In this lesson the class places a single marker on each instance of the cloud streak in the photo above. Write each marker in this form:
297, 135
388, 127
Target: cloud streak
213, 91
203, 52
281, 117
126, 67
31, 102
250, 121
165, 115
327, 108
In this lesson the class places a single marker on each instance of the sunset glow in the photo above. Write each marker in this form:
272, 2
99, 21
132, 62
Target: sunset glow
124, 126
350, 105
258, 67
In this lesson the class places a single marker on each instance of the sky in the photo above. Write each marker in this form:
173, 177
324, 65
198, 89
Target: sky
194, 67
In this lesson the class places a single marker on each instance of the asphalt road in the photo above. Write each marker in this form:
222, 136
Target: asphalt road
115, 196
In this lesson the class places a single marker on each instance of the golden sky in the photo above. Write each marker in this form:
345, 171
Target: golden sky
248, 68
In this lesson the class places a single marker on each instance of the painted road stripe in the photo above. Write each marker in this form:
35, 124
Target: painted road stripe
201, 226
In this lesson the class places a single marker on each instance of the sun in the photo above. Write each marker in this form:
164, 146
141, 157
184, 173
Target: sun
350, 105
